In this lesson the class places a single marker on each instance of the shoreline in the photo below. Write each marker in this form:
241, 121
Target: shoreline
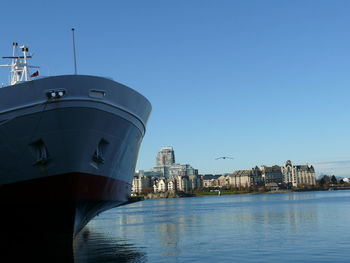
166, 195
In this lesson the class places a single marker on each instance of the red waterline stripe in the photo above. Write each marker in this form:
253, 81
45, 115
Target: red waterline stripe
66, 186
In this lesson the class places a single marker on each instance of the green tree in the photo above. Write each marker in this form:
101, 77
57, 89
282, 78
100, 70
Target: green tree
334, 180
325, 180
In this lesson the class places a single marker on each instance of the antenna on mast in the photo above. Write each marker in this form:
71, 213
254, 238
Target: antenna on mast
19, 65
75, 58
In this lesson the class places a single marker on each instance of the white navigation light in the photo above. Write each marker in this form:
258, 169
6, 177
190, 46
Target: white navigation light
55, 94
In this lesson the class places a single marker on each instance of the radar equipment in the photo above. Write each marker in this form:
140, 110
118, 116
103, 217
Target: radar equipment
19, 64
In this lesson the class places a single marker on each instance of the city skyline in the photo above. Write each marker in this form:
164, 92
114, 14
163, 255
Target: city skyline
165, 157
262, 81
170, 177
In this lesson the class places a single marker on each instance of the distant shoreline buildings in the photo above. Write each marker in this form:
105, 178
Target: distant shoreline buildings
169, 176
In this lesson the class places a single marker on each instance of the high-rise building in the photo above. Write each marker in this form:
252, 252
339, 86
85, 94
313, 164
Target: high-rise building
166, 156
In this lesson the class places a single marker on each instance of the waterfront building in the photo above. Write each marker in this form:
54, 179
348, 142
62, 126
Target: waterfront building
181, 169
182, 183
297, 175
141, 183
246, 178
171, 176
210, 180
195, 182
166, 166
240, 179
136, 185
172, 186
150, 173
223, 181
178, 183
175, 169
289, 174
163, 170
256, 178
160, 185
271, 174
305, 175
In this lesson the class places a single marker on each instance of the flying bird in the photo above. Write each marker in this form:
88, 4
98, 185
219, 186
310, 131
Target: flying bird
224, 157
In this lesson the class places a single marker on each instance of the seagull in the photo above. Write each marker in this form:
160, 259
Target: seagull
224, 157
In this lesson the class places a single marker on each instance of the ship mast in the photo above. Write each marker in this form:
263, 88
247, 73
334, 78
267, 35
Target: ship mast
19, 64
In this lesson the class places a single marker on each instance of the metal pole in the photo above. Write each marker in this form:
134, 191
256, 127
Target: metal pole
75, 58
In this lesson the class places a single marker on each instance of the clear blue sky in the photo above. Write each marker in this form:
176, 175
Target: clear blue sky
263, 81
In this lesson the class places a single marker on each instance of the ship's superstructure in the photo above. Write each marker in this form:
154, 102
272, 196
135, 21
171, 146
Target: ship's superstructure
19, 64
68, 147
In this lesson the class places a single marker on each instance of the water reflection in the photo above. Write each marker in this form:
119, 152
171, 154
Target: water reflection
92, 247
250, 228
31, 246
88, 246
201, 223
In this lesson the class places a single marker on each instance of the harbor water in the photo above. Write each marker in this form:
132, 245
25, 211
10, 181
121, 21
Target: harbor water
286, 227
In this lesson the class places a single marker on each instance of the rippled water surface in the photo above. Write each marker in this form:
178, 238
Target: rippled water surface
289, 227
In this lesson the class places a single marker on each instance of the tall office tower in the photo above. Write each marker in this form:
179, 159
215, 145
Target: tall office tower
166, 156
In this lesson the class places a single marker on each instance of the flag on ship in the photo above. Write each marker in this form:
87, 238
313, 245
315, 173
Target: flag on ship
35, 74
